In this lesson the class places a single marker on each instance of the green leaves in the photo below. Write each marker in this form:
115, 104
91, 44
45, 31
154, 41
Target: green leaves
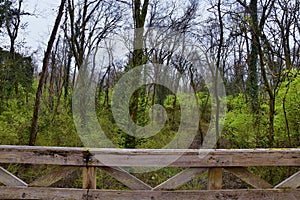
16, 77
243, 129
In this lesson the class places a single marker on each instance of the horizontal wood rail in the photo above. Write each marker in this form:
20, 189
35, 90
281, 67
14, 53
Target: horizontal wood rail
150, 157
193, 161
50, 193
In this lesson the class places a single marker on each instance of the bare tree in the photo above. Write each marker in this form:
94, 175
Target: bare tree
90, 22
13, 25
34, 126
276, 57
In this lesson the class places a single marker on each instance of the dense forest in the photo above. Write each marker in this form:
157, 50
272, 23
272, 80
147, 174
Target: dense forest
253, 46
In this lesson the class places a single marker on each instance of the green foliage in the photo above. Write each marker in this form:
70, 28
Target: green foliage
57, 130
16, 73
247, 123
239, 123
109, 127
242, 128
15, 121
204, 102
287, 129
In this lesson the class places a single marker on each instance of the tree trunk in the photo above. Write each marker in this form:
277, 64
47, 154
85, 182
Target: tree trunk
67, 75
51, 87
287, 126
271, 120
198, 140
271, 93
139, 17
33, 132
218, 103
253, 57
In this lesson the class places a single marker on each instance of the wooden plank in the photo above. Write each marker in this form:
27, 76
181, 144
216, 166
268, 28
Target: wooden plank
9, 179
180, 179
79, 194
150, 157
215, 178
89, 178
197, 158
126, 178
53, 176
291, 182
42, 193
245, 175
42, 155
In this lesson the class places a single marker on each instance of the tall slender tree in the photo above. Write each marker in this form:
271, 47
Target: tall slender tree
39, 93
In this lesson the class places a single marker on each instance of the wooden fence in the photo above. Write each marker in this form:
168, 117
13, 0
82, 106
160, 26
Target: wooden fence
67, 160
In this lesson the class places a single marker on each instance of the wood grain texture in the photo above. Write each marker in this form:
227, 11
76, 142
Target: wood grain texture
126, 178
9, 179
291, 182
82, 194
112, 161
150, 157
245, 175
53, 176
89, 178
180, 179
215, 177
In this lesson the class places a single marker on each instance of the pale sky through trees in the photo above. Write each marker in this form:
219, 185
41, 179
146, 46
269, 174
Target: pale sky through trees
39, 26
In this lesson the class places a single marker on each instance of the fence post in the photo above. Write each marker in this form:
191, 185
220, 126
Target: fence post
89, 178
215, 179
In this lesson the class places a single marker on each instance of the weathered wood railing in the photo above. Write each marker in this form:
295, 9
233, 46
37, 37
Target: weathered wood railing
68, 160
